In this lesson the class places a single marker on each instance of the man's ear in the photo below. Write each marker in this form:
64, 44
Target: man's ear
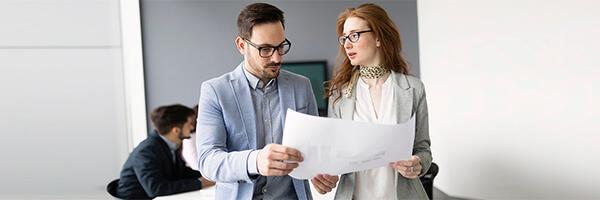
240, 44
175, 130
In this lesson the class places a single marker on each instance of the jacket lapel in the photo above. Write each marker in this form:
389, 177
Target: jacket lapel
243, 99
404, 95
348, 104
164, 147
286, 97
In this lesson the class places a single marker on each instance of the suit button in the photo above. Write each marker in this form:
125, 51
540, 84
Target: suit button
264, 190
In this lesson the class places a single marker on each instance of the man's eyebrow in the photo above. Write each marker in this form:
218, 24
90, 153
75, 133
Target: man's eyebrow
270, 45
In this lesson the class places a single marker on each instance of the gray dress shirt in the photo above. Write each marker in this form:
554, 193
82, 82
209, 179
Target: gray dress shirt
267, 108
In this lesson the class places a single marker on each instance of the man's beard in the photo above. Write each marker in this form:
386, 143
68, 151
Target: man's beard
182, 137
268, 72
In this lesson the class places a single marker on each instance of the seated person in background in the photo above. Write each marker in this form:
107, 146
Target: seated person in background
155, 167
188, 149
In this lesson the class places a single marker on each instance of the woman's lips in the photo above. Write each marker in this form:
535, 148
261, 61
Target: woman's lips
351, 55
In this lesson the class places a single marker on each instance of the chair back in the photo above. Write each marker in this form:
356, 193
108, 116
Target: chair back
111, 188
427, 179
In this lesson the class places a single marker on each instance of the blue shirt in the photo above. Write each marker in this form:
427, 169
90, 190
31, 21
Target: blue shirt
265, 99
172, 146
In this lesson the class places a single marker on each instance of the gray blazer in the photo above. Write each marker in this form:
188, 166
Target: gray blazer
227, 127
412, 101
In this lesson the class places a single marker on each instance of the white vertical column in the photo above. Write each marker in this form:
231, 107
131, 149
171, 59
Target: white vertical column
131, 37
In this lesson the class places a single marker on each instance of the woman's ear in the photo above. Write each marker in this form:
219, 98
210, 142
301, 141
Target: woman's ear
377, 43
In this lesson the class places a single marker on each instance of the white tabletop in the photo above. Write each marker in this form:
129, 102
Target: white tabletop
204, 193
209, 193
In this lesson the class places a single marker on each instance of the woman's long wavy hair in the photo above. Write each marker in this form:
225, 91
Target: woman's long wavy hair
387, 33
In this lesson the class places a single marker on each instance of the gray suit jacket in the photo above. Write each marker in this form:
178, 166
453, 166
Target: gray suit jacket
227, 129
412, 101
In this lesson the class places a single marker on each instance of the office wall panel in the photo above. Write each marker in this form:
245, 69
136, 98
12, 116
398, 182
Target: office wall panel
59, 23
512, 90
63, 110
63, 121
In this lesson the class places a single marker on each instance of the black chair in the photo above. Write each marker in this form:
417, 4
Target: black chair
111, 188
427, 179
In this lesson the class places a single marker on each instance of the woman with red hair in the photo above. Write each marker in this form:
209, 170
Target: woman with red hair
372, 84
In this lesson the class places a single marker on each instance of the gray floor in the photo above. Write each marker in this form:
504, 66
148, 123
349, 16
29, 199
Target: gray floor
440, 195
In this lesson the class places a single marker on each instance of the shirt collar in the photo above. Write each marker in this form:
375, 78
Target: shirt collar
255, 81
171, 145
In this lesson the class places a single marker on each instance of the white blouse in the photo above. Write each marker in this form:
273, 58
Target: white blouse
377, 183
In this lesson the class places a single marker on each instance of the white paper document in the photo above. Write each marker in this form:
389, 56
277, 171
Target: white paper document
334, 146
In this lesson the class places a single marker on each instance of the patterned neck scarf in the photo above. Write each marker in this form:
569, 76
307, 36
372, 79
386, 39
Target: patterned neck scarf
373, 72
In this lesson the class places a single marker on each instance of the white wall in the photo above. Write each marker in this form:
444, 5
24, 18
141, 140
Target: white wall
62, 112
513, 90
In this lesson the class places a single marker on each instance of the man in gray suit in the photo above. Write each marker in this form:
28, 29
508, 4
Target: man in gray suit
241, 115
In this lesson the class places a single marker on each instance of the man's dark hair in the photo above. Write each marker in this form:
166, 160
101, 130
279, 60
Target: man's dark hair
257, 13
165, 118
195, 108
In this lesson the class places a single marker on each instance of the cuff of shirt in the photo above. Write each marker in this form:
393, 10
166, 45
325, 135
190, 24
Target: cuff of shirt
251, 163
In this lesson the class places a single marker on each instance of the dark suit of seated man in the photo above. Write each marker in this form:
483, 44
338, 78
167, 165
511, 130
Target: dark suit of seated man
155, 167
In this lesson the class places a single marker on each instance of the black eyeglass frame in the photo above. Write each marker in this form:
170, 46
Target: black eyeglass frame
276, 48
342, 39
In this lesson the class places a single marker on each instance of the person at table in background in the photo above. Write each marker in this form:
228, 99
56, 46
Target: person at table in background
241, 114
372, 84
155, 168
188, 147
189, 152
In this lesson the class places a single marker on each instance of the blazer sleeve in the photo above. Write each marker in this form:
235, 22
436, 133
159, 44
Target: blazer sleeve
422, 142
215, 162
188, 172
148, 171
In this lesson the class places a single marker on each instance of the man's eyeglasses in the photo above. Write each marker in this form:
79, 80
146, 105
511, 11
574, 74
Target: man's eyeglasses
268, 50
353, 37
